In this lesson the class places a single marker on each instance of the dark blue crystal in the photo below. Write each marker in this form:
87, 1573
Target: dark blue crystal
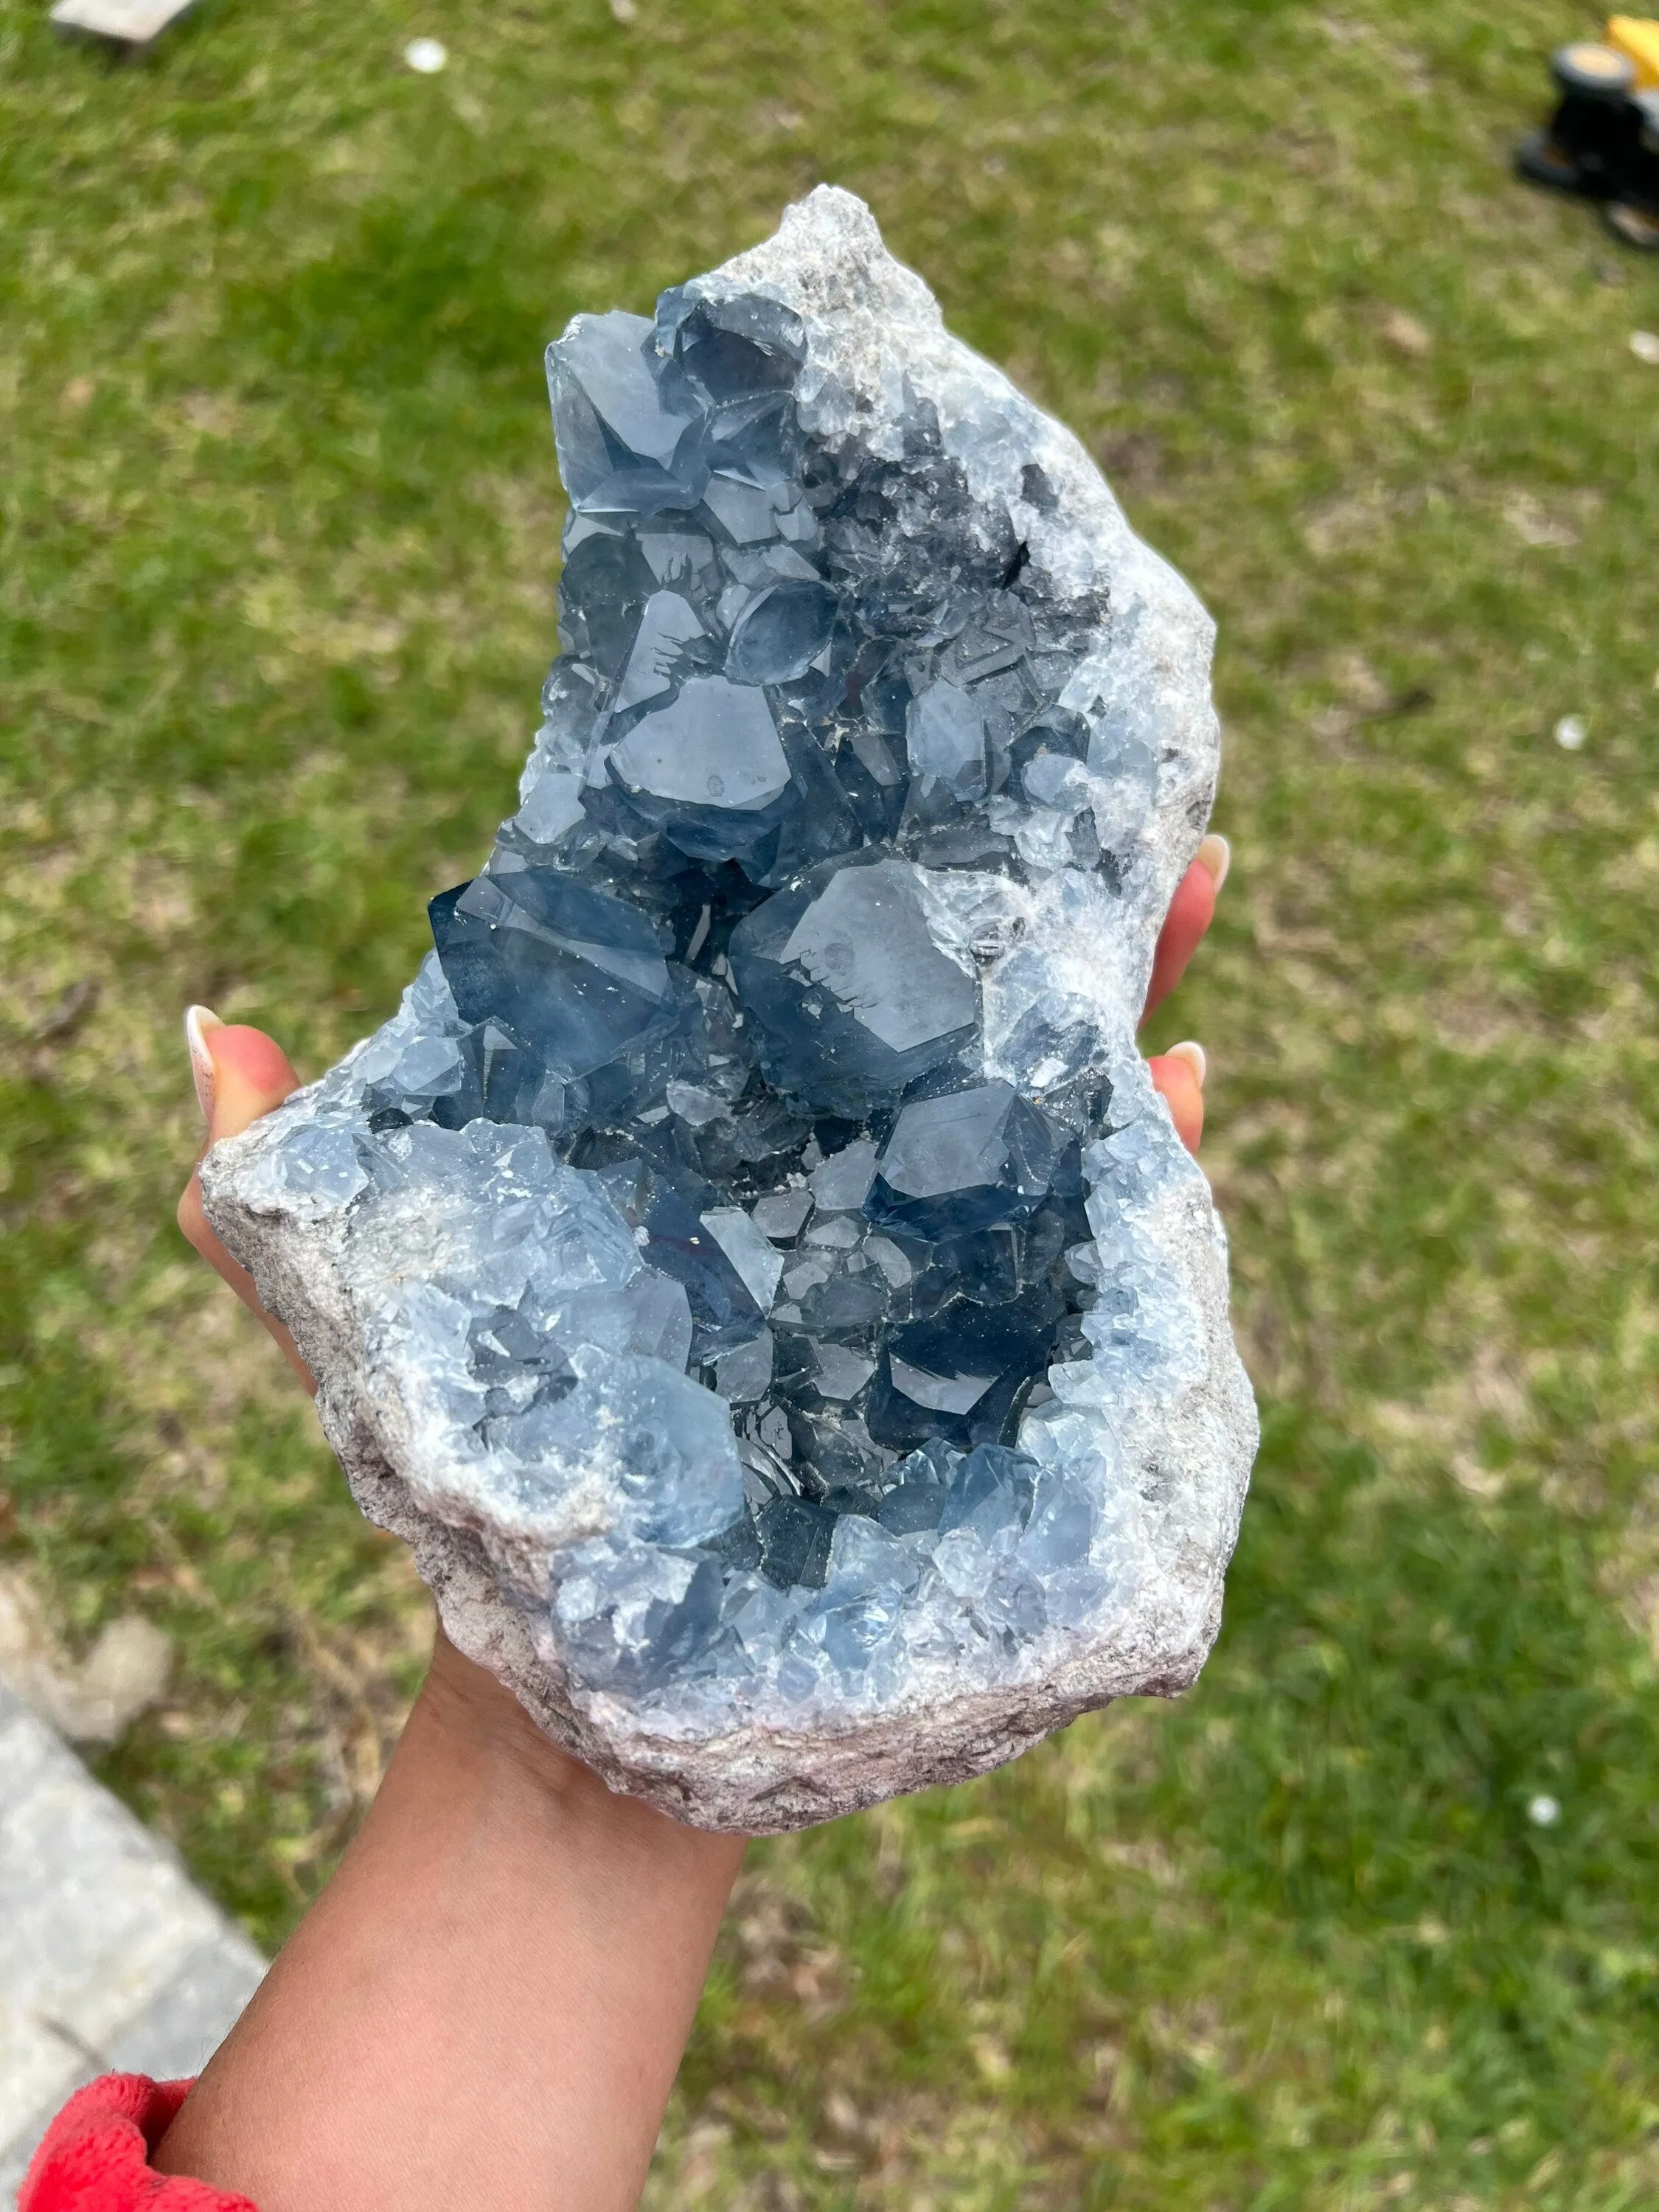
678, 1241
579, 974
794, 1536
853, 997
964, 1160
781, 633
607, 586
504, 1081
911, 1507
957, 1375
628, 441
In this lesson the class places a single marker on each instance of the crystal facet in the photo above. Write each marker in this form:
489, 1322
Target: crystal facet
752, 1268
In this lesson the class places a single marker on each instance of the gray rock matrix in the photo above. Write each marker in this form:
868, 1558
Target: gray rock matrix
752, 1270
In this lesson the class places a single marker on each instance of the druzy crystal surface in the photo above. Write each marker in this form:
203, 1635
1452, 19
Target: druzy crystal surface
752, 1268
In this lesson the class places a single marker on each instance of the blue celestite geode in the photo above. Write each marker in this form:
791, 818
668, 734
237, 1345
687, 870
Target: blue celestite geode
752, 1268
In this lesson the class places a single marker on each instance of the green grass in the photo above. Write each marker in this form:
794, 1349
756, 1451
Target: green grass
278, 517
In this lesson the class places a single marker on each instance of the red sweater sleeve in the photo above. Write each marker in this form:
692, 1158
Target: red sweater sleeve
95, 2157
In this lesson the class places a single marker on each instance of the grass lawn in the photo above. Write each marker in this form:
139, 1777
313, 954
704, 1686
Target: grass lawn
278, 541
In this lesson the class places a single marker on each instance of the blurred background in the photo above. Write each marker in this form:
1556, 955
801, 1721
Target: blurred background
1370, 1919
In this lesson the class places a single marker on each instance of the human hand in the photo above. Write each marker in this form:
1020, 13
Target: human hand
239, 1074
1179, 1073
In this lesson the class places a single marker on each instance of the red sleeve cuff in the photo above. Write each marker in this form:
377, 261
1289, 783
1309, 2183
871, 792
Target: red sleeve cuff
95, 2157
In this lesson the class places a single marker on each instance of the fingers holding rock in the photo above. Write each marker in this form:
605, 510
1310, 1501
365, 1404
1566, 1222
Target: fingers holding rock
239, 1074
1191, 911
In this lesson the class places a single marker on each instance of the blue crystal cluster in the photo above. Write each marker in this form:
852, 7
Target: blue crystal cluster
752, 1269
713, 1019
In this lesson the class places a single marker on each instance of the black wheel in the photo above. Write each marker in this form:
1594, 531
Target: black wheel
1636, 226
1648, 135
1540, 160
1587, 70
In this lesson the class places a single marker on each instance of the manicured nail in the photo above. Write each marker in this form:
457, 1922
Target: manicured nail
1216, 854
200, 1022
1195, 1057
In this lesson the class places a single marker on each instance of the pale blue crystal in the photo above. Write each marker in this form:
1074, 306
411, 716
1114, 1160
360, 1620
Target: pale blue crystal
667, 627
783, 1214
323, 1166
945, 738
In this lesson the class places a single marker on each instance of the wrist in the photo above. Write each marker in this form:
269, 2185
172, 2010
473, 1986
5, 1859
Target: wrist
475, 1719
468, 1721
498, 1982
472, 1722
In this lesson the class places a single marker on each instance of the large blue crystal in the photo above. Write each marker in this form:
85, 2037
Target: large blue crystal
629, 442
852, 998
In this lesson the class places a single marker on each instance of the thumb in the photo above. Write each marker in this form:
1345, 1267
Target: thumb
239, 1074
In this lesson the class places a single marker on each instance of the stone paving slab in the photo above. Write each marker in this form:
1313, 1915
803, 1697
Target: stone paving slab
129, 25
110, 1959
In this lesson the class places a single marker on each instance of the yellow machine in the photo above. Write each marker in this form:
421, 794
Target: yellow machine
1636, 37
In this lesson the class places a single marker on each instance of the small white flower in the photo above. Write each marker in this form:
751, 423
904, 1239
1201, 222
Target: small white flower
1571, 733
1645, 345
1543, 1812
426, 56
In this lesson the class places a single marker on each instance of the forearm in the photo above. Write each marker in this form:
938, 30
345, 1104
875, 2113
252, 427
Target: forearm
488, 2005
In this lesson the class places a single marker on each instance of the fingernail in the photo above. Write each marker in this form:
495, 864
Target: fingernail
1193, 1054
200, 1022
1216, 854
